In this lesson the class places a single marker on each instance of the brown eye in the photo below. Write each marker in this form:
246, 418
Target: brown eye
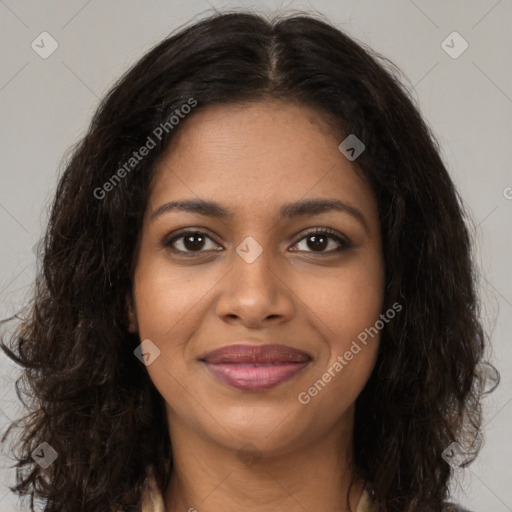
320, 239
189, 242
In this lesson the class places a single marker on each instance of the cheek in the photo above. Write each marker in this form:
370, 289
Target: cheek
166, 298
345, 311
170, 307
166, 303
346, 301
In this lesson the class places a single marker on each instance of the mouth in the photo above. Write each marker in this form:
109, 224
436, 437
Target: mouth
255, 367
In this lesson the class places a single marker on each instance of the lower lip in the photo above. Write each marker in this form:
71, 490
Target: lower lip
250, 377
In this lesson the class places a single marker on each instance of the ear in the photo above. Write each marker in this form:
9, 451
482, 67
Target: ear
131, 315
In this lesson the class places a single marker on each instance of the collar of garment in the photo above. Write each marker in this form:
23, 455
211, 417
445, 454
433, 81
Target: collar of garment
153, 501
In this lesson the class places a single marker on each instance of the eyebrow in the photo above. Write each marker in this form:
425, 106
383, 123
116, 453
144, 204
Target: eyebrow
301, 208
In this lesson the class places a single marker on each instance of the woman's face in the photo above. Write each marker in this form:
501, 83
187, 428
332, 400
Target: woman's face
255, 275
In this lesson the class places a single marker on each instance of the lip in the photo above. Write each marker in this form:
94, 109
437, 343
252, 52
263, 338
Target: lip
255, 367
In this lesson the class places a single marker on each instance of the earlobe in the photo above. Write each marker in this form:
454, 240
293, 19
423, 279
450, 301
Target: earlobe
132, 317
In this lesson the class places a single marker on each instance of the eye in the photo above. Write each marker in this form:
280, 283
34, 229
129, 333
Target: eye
319, 238
189, 242
194, 241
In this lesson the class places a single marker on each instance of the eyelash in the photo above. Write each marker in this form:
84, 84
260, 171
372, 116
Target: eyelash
344, 243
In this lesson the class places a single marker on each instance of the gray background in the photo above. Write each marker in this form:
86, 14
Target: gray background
46, 105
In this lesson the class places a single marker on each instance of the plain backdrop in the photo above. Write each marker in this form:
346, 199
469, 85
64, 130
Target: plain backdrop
46, 105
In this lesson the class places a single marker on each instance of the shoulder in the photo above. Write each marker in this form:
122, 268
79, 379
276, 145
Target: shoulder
152, 498
368, 504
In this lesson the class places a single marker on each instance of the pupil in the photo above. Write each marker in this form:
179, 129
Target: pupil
316, 243
190, 245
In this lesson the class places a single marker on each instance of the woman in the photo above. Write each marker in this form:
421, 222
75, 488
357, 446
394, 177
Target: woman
257, 289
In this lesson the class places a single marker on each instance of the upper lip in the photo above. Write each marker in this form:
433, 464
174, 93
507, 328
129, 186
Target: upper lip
243, 353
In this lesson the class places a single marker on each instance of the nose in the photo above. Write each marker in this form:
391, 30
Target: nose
255, 293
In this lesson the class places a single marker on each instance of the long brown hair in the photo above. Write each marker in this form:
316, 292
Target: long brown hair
92, 401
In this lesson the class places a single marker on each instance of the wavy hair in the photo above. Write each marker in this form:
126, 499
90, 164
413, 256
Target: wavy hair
93, 401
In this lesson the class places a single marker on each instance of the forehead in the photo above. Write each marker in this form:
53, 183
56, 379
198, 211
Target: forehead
256, 156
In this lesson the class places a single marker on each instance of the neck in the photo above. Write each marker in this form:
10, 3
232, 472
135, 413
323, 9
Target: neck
209, 477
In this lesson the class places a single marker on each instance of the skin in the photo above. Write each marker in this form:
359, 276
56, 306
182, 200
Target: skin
258, 450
